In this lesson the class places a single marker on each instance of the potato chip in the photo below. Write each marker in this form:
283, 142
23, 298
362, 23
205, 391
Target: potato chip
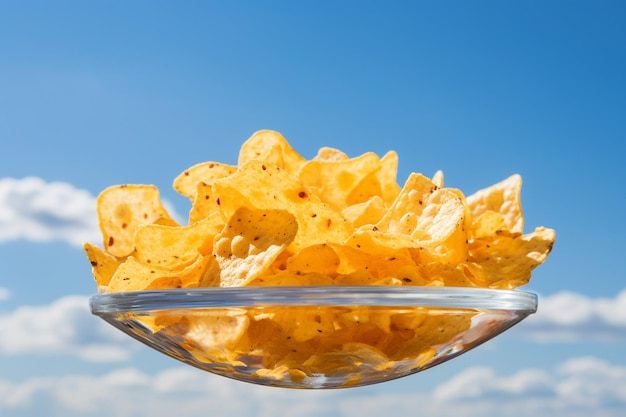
503, 197
335, 181
214, 335
401, 218
133, 275
265, 186
387, 176
272, 147
207, 172
175, 247
103, 265
204, 204
250, 242
121, 209
507, 261
442, 223
367, 212
330, 154
319, 258
437, 179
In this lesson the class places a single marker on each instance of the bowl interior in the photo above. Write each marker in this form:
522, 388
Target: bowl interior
314, 337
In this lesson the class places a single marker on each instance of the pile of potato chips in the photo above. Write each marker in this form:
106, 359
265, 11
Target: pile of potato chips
278, 219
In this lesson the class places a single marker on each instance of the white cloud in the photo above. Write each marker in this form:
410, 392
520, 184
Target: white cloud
5, 294
64, 327
179, 391
567, 316
40, 211
33, 209
578, 387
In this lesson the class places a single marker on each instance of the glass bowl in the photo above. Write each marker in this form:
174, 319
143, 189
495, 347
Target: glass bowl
314, 337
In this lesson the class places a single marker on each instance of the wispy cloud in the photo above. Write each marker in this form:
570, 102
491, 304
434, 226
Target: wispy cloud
578, 387
65, 327
5, 294
35, 210
567, 317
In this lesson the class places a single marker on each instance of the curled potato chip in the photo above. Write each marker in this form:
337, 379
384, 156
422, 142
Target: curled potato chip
503, 197
337, 181
272, 147
367, 212
507, 261
174, 247
123, 208
133, 275
264, 186
250, 242
401, 217
103, 265
207, 172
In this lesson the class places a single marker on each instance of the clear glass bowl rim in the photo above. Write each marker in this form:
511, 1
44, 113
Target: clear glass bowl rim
383, 296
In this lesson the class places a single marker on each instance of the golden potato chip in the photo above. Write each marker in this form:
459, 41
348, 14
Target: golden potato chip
443, 223
387, 176
214, 335
121, 209
330, 154
354, 260
367, 212
250, 242
503, 197
291, 279
488, 223
366, 189
438, 179
272, 147
174, 247
206, 172
204, 203
265, 186
334, 181
319, 258
507, 261
103, 265
133, 275
401, 218
304, 323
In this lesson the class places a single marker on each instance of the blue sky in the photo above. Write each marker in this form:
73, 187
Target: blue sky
100, 93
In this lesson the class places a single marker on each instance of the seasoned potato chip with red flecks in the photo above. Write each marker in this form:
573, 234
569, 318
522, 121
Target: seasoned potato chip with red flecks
272, 147
250, 242
133, 275
266, 186
174, 247
507, 261
206, 172
123, 208
336, 182
103, 265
